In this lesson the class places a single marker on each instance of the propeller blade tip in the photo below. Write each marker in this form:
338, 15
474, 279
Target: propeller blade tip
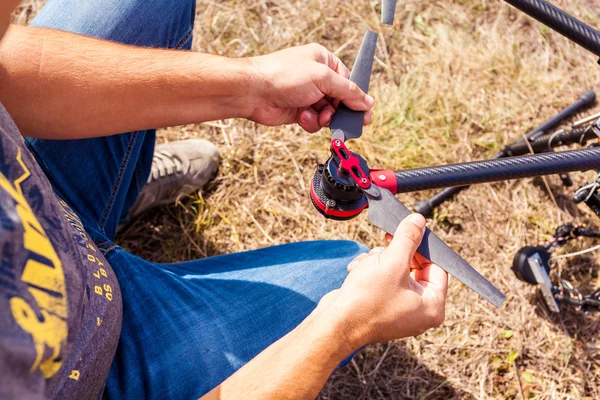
388, 10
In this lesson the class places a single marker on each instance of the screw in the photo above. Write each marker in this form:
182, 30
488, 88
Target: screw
337, 143
364, 180
382, 177
330, 204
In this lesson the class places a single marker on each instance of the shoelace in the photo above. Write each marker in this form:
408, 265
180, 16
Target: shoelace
165, 164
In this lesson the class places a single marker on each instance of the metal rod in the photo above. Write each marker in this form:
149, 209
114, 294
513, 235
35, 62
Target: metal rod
503, 169
561, 22
586, 120
585, 100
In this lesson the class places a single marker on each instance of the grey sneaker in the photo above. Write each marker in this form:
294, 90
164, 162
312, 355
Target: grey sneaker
177, 168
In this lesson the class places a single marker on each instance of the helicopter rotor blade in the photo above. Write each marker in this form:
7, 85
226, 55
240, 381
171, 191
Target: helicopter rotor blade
346, 123
388, 10
386, 212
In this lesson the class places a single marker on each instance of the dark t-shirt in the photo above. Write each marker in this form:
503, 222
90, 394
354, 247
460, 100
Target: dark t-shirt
60, 303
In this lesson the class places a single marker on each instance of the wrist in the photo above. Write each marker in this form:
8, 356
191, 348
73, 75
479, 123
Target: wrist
260, 85
229, 83
339, 325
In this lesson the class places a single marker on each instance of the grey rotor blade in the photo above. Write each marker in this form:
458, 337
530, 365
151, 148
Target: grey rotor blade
388, 10
386, 212
348, 121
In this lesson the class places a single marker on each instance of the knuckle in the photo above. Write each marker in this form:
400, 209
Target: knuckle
413, 235
354, 89
316, 49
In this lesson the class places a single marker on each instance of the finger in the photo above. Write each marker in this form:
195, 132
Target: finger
419, 262
376, 250
333, 62
433, 278
357, 260
406, 240
335, 85
341, 68
388, 238
320, 105
368, 118
326, 115
309, 120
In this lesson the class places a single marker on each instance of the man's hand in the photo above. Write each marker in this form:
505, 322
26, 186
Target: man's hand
303, 85
390, 293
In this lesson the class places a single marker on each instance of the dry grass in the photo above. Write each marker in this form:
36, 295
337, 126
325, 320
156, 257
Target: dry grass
454, 81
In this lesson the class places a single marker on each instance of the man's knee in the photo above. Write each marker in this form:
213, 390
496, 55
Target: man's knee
148, 23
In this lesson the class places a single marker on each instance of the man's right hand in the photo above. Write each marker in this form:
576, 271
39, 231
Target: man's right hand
390, 293
302, 85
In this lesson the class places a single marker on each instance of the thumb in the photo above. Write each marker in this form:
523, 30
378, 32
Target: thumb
406, 240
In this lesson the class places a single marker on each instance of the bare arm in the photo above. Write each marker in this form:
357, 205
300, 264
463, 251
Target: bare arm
381, 300
62, 85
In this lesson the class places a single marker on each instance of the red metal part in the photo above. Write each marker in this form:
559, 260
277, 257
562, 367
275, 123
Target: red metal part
350, 164
385, 178
332, 212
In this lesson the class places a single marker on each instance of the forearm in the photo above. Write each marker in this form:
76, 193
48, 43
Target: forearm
62, 85
295, 367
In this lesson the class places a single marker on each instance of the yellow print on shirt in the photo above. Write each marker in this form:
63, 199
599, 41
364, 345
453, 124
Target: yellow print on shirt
46, 283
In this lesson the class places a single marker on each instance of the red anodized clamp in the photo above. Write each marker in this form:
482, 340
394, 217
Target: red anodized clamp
384, 178
350, 164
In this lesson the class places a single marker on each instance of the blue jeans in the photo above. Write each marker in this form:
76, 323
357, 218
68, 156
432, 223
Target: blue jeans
187, 326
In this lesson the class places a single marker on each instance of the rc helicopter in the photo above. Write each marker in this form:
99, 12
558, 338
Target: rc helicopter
344, 185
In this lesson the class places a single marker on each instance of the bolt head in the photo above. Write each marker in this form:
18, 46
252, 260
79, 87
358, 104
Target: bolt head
330, 204
364, 180
382, 177
337, 143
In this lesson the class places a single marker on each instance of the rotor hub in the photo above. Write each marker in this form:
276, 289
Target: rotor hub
334, 194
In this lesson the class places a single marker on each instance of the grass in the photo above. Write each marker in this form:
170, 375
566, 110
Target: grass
454, 81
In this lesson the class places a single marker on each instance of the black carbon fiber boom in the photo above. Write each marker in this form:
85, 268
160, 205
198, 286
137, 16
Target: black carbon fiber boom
563, 23
497, 170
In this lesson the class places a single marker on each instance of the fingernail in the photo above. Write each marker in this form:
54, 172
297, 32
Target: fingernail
369, 101
306, 117
418, 220
351, 266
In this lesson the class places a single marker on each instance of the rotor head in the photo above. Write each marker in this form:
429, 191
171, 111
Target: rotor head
334, 195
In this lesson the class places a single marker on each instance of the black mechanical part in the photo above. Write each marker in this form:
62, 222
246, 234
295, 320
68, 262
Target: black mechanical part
426, 207
337, 184
561, 22
593, 202
347, 205
521, 266
548, 142
539, 144
585, 100
497, 170
388, 10
386, 212
347, 123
